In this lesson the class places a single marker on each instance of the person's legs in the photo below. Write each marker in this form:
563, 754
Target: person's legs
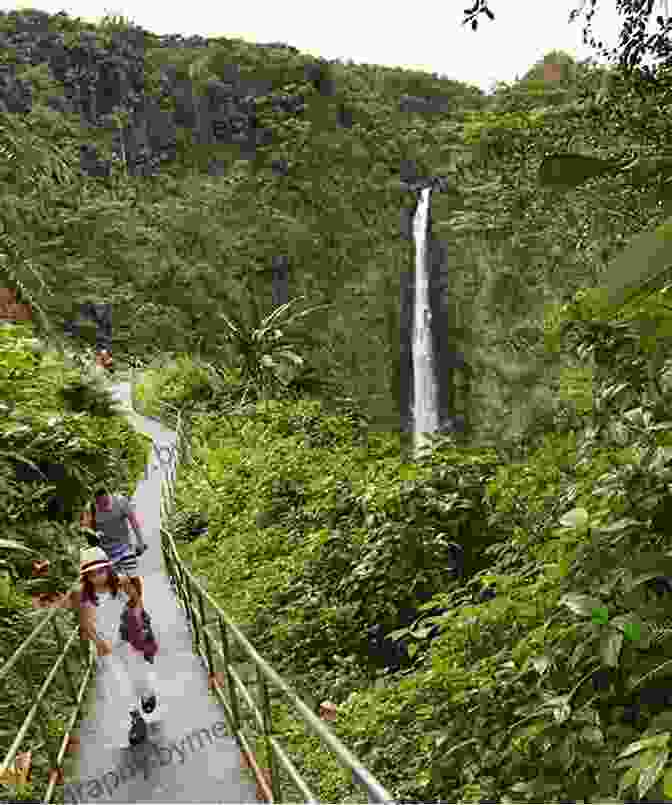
122, 690
138, 685
140, 587
101, 313
144, 676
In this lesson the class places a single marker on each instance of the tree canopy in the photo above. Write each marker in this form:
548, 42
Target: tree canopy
644, 36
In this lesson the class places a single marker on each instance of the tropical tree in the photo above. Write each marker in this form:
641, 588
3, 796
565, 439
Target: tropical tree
267, 352
34, 168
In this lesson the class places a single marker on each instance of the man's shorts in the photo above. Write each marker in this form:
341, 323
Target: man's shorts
127, 566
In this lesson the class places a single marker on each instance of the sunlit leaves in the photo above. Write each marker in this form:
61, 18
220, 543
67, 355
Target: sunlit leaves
13, 545
647, 759
581, 604
576, 518
611, 643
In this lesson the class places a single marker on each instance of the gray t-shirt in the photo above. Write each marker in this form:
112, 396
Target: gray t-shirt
115, 536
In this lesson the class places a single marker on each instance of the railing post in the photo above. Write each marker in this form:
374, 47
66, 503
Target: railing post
53, 756
167, 495
206, 636
186, 440
233, 693
185, 598
268, 730
66, 667
166, 558
171, 492
179, 577
197, 635
180, 436
171, 564
173, 486
165, 513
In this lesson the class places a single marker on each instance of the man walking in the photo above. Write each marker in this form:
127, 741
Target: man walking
100, 313
112, 514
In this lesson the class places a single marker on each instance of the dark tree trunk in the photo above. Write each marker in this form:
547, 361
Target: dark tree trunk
280, 280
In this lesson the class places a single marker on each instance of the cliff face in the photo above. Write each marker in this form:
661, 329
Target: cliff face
173, 177
100, 74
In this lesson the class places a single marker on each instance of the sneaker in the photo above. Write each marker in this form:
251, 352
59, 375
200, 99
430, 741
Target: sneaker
148, 703
138, 731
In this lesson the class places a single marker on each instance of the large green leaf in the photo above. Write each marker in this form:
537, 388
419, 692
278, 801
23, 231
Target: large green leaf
629, 778
610, 647
564, 171
659, 740
645, 259
651, 770
576, 518
11, 544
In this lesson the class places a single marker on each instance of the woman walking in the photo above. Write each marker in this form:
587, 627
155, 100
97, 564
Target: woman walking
136, 645
109, 517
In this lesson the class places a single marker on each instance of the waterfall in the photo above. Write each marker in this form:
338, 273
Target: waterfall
425, 392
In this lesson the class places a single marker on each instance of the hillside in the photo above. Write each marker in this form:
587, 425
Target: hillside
236, 154
541, 672
215, 159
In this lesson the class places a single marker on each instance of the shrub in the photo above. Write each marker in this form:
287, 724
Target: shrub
50, 460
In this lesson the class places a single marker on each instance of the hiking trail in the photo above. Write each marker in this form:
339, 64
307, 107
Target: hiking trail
184, 759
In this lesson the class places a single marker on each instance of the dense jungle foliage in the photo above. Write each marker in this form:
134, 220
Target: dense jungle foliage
60, 435
321, 188
316, 530
553, 686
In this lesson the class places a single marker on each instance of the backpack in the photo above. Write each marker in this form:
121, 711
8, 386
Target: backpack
140, 635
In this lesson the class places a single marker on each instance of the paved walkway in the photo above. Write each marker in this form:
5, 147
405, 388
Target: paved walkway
189, 756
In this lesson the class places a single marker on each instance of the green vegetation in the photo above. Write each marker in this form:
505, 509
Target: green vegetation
59, 436
317, 529
555, 689
175, 251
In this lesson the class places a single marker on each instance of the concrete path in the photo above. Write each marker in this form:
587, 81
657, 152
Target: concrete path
189, 756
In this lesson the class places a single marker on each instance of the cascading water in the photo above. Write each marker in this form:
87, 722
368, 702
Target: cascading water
425, 393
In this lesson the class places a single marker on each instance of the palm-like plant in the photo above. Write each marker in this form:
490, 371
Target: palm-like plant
34, 168
266, 351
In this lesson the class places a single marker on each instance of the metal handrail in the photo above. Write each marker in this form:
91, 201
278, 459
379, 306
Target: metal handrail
77, 686
187, 586
77, 694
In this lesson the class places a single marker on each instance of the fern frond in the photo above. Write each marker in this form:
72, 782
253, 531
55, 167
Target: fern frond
7, 153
